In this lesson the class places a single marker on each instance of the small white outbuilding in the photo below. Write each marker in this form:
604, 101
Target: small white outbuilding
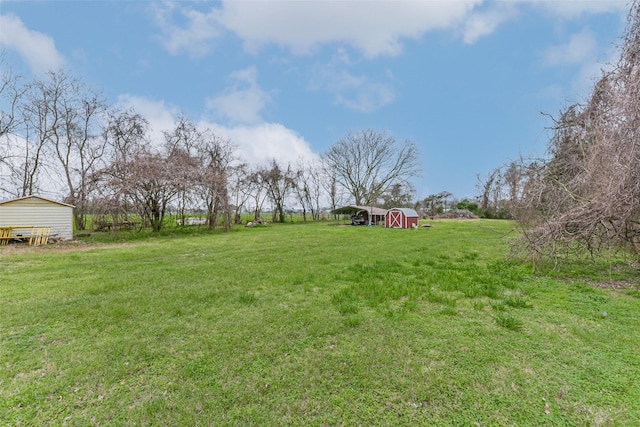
38, 211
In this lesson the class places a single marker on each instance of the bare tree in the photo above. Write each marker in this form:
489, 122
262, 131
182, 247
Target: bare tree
314, 192
215, 155
517, 179
586, 197
490, 187
69, 119
332, 189
279, 181
152, 183
11, 95
139, 176
308, 188
368, 163
257, 189
24, 133
513, 180
126, 131
28, 149
239, 189
125, 134
201, 163
300, 189
183, 141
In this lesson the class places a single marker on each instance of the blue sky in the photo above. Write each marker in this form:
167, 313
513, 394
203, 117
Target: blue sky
465, 80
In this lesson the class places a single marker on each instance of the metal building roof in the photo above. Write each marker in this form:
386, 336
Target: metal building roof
353, 209
35, 196
410, 213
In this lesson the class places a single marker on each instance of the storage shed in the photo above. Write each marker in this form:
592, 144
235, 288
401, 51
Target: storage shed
38, 211
401, 218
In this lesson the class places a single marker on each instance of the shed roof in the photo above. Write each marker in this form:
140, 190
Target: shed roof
35, 196
410, 213
353, 209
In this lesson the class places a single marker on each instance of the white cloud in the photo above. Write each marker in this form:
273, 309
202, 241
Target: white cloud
581, 48
256, 143
244, 101
483, 23
259, 143
581, 51
196, 37
38, 50
159, 114
358, 93
367, 98
373, 27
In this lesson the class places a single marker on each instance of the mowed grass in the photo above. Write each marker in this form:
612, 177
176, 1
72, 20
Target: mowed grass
315, 324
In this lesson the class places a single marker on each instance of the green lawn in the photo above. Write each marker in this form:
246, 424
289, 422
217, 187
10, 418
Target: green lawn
315, 324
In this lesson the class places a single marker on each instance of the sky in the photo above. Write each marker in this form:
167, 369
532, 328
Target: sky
471, 83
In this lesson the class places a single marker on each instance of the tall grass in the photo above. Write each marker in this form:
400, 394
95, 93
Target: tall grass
313, 324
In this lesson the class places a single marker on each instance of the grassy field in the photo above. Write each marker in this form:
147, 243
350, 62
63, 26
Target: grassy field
315, 324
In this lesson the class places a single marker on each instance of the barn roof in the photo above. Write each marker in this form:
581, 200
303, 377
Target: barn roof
410, 213
353, 209
35, 196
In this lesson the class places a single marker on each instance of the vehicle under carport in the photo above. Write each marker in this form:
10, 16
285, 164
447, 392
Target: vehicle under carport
361, 215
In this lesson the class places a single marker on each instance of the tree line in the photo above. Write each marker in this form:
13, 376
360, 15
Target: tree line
59, 134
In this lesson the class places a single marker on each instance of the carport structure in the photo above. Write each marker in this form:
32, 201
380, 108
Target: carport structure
377, 215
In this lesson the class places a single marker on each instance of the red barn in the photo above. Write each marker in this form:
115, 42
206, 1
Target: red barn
401, 218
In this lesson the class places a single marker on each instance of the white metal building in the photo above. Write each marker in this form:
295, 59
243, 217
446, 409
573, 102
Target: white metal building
38, 211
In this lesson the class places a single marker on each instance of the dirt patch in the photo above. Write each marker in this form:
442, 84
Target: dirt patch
616, 284
73, 245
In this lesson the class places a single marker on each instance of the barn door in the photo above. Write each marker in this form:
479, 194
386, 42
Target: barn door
395, 219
